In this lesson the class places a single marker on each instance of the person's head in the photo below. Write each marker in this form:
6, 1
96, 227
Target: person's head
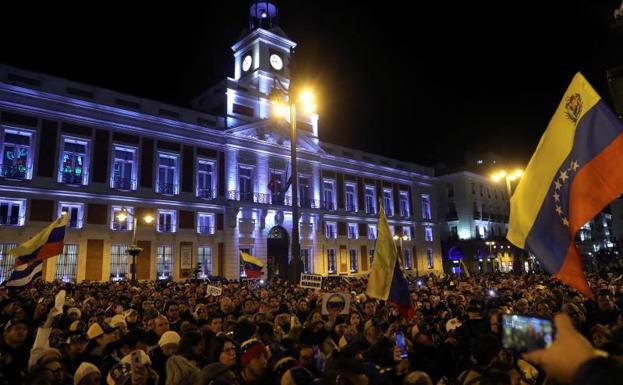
306, 355
74, 314
201, 312
302, 305
161, 325
148, 306
417, 378
77, 344
575, 313
354, 319
495, 319
485, 349
15, 332
605, 300
169, 342
223, 350
273, 301
51, 360
173, 311
215, 322
369, 308
191, 345
218, 374
226, 305
248, 306
600, 335
102, 334
521, 306
253, 358
542, 310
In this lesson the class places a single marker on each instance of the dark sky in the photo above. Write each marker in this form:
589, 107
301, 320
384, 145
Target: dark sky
423, 83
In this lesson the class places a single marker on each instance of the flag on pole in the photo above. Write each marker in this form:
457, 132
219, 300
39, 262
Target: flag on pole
464, 267
386, 281
573, 174
251, 265
23, 275
47, 243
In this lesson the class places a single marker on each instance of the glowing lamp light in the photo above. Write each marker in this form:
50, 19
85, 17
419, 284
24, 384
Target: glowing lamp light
492, 293
122, 216
148, 219
280, 110
307, 99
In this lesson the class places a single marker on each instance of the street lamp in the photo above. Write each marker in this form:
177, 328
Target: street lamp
509, 177
491, 245
280, 109
401, 238
133, 249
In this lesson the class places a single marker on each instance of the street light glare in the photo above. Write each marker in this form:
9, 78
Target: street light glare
280, 109
148, 219
122, 216
307, 99
396, 237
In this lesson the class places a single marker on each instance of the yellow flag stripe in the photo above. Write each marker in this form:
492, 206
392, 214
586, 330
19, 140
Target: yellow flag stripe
250, 259
385, 257
39, 239
554, 147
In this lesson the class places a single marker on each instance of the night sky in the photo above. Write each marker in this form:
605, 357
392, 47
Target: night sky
423, 83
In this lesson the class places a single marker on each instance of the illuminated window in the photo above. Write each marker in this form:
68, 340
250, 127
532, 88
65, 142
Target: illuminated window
66, 264
352, 231
167, 174
205, 179
12, 212
354, 261
166, 221
16, 154
329, 194
121, 224
74, 213
331, 230
388, 202
404, 204
370, 200
429, 257
74, 161
371, 231
124, 168
205, 223
331, 261
351, 197
428, 234
426, 209
204, 256
408, 260
245, 183
164, 262
306, 257
119, 267
6, 260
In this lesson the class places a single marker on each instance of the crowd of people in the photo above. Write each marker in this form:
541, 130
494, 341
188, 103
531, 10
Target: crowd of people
181, 333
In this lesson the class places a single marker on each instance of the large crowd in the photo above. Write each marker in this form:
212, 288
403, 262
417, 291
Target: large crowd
181, 333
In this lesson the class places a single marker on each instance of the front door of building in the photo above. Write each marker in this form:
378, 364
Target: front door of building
278, 244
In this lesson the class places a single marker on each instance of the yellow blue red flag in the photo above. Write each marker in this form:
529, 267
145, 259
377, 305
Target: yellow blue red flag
47, 243
251, 265
573, 174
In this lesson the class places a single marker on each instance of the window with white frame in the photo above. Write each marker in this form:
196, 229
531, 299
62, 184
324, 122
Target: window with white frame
370, 200
166, 221
353, 231
12, 212
124, 168
406, 230
351, 197
245, 183
17, 154
354, 261
167, 174
306, 257
204, 256
275, 186
205, 223
205, 179
331, 230
74, 161
388, 202
119, 267
428, 234
426, 211
121, 218
66, 263
404, 204
372, 232
164, 262
331, 261
328, 187
305, 198
408, 259
6, 260
74, 213
429, 257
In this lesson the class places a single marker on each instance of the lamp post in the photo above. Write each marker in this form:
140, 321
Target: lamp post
491, 245
509, 177
133, 249
280, 109
401, 238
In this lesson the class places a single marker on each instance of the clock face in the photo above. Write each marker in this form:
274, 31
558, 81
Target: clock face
246, 63
276, 62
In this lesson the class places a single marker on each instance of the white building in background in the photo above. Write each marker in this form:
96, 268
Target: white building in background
213, 177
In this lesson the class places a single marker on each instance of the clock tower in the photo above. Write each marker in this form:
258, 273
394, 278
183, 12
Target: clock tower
262, 55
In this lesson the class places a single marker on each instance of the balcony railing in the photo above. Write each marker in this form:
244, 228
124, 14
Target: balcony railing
206, 193
165, 227
167, 188
370, 210
331, 234
124, 184
351, 207
14, 171
71, 177
120, 226
205, 230
11, 220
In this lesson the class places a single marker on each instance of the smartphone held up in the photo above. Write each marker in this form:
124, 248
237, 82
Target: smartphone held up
523, 333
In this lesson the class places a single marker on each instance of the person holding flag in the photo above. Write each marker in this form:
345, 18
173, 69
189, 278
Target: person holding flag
29, 256
386, 280
573, 174
251, 265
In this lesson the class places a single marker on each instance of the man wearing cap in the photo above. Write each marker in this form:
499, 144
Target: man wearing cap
167, 345
254, 361
14, 351
87, 374
73, 351
99, 337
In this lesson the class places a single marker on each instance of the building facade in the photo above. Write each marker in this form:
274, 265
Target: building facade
474, 214
214, 177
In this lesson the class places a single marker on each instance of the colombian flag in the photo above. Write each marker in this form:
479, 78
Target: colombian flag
386, 281
252, 266
574, 173
47, 243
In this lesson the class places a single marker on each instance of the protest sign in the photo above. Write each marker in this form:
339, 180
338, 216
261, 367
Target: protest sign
311, 281
336, 302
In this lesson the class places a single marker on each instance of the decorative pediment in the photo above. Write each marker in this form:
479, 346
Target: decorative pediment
279, 134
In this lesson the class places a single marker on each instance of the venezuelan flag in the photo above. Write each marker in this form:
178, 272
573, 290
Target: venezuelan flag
252, 266
47, 243
386, 281
573, 174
